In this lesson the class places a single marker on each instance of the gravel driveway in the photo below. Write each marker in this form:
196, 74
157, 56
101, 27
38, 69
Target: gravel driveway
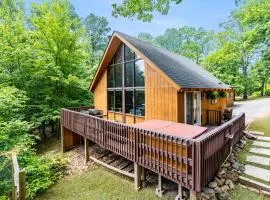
252, 108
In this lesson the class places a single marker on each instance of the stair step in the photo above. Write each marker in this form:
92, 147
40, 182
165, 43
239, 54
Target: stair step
257, 172
255, 184
263, 138
261, 144
261, 151
259, 160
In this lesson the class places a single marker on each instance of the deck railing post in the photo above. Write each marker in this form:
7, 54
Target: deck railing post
138, 176
86, 150
62, 139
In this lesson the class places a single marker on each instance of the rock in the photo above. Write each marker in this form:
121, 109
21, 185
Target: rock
225, 188
222, 172
237, 149
227, 164
242, 168
212, 184
250, 136
204, 195
223, 196
209, 191
219, 181
230, 184
244, 142
240, 145
232, 176
217, 190
235, 165
265, 193
253, 190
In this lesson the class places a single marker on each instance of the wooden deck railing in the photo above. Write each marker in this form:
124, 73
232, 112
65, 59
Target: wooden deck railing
189, 162
214, 117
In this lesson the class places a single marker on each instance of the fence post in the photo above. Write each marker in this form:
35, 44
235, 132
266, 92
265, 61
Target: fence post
18, 181
22, 183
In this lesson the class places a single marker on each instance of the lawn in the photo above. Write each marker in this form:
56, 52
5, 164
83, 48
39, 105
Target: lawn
96, 183
261, 124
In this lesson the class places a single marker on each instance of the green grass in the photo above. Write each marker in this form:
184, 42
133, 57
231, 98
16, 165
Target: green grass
240, 193
261, 124
97, 184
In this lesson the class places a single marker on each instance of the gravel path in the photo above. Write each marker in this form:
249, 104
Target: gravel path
252, 108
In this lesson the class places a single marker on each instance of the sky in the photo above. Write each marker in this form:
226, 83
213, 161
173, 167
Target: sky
196, 13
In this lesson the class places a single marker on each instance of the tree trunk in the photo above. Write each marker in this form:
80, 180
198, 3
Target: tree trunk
245, 92
52, 127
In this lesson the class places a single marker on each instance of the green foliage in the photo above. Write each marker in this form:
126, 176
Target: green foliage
267, 92
213, 94
222, 94
41, 171
143, 10
187, 41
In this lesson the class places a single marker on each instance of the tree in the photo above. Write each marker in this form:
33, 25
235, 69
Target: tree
187, 41
61, 62
143, 10
97, 29
147, 37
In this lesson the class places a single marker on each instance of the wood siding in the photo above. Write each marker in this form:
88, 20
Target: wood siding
207, 105
100, 94
181, 107
160, 96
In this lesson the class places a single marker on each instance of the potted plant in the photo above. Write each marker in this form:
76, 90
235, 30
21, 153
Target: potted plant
213, 95
222, 94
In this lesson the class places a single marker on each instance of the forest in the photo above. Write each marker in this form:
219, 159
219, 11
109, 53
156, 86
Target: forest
49, 54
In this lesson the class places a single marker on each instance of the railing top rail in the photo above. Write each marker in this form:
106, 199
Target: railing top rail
158, 133
219, 128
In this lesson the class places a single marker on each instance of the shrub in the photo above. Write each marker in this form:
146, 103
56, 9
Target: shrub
213, 95
267, 92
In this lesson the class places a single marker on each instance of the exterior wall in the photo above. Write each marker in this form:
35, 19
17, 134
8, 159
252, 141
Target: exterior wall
229, 97
181, 107
100, 94
207, 105
160, 96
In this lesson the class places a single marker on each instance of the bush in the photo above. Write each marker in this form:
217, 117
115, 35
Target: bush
267, 92
41, 172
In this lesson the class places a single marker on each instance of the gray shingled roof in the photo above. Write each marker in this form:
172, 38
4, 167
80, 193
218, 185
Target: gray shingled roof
183, 71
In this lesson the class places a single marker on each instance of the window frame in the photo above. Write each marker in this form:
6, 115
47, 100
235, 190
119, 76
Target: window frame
124, 88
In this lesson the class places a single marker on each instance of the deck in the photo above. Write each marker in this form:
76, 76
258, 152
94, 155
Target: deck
189, 162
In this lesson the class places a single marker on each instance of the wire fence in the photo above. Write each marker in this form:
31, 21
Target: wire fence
5, 176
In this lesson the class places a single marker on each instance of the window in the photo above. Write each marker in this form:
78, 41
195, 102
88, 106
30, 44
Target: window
111, 100
129, 102
133, 89
139, 73
118, 101
139, 107
129, 73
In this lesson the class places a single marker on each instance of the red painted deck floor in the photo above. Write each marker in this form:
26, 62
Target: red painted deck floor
172, 128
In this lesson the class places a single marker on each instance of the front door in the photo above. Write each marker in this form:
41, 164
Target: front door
193, 108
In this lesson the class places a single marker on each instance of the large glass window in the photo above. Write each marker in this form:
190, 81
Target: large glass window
139, 73
125, 60
129, 74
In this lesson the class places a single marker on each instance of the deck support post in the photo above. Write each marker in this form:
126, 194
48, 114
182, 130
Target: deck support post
86, 150
180, 193
62, 139
194, 195
138, 176
159, 191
